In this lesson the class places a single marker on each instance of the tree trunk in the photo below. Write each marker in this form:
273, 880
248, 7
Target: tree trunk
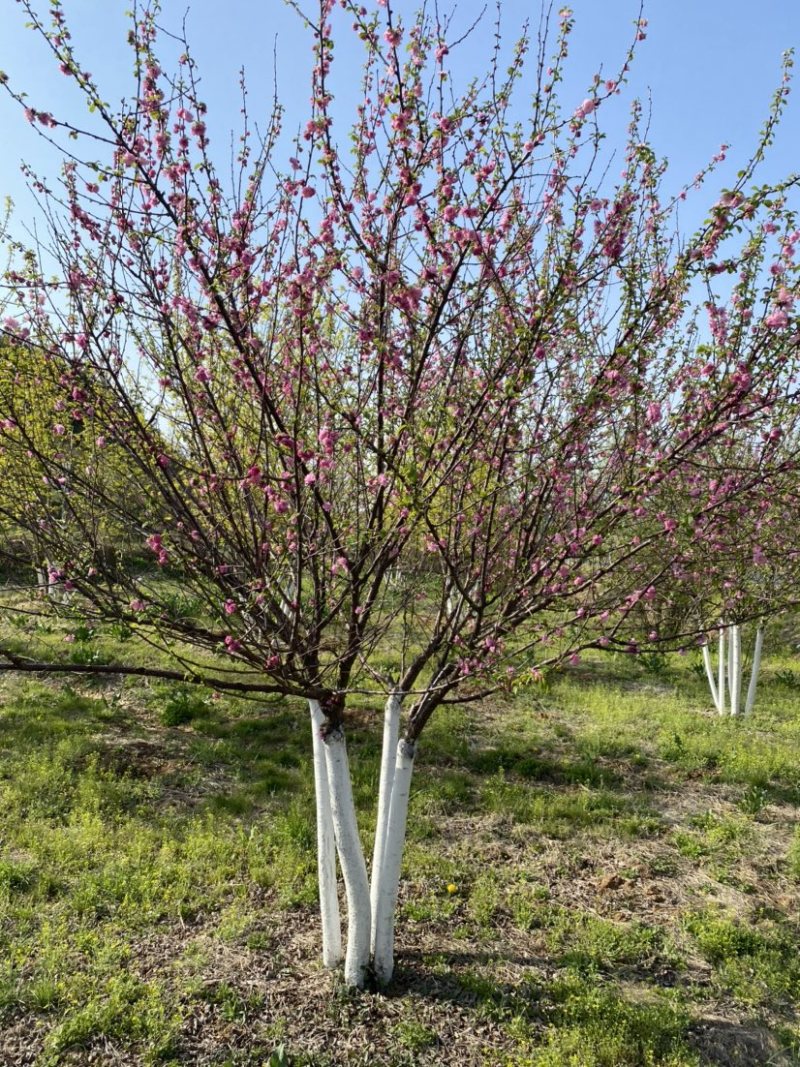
751, 690
710, 675
721, 671
326, 847
42, 581
731, 668
389, 873
391, 731
736, 685
351, 859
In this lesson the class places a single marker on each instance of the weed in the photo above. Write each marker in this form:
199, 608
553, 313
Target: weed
414, 1035
182, 704
788, 678
753, 799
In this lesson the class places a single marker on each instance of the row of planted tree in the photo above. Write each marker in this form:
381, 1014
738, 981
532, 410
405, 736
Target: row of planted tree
419, 412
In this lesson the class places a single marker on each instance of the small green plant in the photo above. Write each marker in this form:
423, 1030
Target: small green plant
697, 670
86, 656
181, 607
183, 704
414, 1035
788, 678
84, 633
753, 799
654, 663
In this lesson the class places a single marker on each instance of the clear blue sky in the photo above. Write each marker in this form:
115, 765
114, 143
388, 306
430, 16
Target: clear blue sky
710, 65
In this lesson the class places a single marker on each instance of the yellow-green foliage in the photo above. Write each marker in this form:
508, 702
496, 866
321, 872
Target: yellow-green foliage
44, 445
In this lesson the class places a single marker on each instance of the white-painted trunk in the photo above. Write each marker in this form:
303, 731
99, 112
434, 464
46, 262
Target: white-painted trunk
326, 847
42, 581
389, 875
751, 689
351, 859
721, 672
736, 685
730, 668
391, 731
710, 675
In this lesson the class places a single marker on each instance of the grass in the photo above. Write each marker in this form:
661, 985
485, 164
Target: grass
602, 873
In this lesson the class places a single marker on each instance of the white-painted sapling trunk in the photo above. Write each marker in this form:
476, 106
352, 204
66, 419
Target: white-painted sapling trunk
42, 581
351, 859
391, 732
751, 689
736, 683
326, 847
388, 874
710, 675
721, 671
730, 668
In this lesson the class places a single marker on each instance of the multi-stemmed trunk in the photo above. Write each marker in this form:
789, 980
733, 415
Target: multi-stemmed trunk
370, 907
726, 692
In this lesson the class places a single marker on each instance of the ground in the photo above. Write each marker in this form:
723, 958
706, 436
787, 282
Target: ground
600, 872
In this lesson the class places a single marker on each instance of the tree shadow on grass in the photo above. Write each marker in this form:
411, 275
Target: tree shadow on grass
466, 983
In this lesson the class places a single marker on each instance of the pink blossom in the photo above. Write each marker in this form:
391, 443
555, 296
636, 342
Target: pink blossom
784, 299
586, 108
777, 319
653, 412
230, 607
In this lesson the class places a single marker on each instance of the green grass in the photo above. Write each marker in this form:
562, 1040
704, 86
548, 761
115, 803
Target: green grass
590, 1025
591, 872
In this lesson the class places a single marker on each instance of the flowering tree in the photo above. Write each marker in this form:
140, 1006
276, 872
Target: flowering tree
406, 419
754, 578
